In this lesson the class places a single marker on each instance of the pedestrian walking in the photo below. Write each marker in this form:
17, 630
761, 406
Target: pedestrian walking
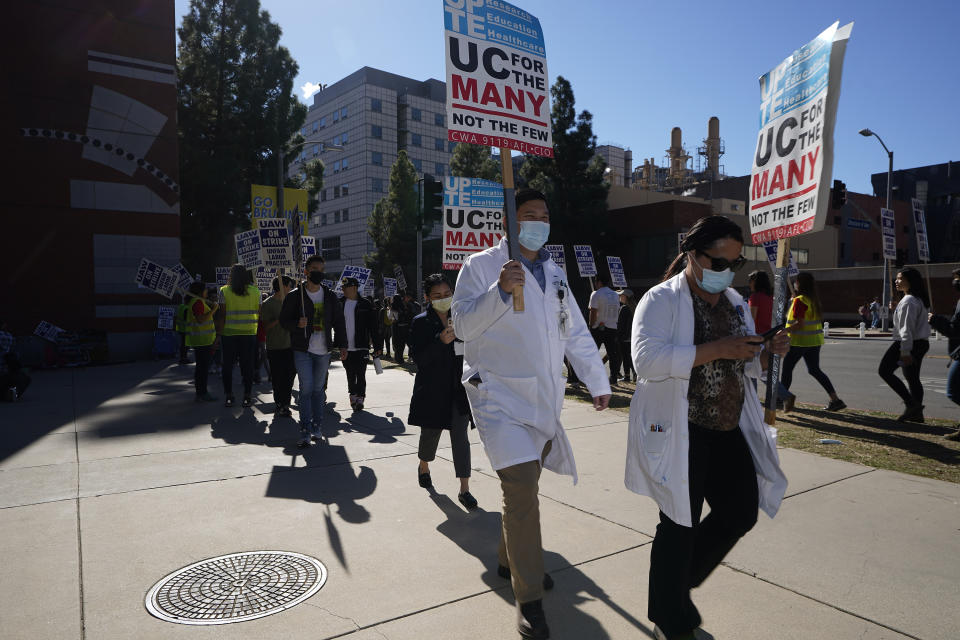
279, 352
696, 425
311, 313
761, 301
604, 308
201, 334
910, 333
628, 304
439, 401
875, 313
950, 327
386, 318
805, 326
405, 310
360, 324
511, 365
240, 301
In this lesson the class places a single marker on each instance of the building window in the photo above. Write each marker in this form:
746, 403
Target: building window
316, 125
438, 144
345, 164
451, 145
323, 122
343, 113
336, 217
336, 141
330, 248
336, 167
316, 150
417, 163
336, 192
376, 131
316, 220
438, 119
323, 219
345, 189
376, 185
345, 215
416, 140
345, 137
802, 255
438, 169
323, 195
376, 158
415, 115
303, 131
336, 115
376, 105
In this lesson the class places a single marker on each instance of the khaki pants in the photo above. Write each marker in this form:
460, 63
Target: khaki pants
521, 547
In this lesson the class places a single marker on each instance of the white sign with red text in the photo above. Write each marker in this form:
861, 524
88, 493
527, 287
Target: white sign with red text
472, 218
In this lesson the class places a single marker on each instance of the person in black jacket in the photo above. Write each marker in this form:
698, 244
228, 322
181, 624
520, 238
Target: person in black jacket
628, 303
360, 323
406, 309
439, 401
950, 327
311, 313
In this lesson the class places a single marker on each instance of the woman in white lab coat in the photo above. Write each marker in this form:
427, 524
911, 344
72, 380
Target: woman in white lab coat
696, 424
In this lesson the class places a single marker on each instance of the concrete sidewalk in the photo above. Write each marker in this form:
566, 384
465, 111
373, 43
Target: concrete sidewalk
111, 478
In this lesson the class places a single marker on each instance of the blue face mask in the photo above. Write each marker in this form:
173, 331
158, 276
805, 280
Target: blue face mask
714, 281
533, 234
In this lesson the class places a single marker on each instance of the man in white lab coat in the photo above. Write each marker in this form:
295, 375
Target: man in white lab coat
514, 377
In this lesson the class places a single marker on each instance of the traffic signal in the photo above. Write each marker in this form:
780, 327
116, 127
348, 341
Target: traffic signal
839, 194
432, 198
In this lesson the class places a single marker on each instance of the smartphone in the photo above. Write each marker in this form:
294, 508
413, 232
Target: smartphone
769, 334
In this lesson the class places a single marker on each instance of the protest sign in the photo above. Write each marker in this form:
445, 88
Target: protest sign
889, 225
558, 254
617, 276
47, 331
920, 228
584, 255
329, 284
401, 280
362, 274
153, 276
248, 248
223, 276
389, 287
274, 243
264, 279
308, 244
184, 279
165, 317
498, 90
472, 218
793, 165
263, 204
771, 249
368, 288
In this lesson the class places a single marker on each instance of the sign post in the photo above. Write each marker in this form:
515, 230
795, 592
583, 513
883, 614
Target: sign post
497, 90
923, 245
889, 225
793, 165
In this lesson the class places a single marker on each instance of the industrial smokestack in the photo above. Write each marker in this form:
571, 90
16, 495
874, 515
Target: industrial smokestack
713, 147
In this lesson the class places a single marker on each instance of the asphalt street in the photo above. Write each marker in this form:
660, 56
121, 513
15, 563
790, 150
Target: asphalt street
851, 364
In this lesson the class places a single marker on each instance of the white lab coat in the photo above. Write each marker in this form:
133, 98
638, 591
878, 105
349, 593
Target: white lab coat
519, 359
663, 354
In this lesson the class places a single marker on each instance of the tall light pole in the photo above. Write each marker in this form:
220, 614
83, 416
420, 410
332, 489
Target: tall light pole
886, 263
280, 172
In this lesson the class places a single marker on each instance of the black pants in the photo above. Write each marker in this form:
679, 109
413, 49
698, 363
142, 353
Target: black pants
400, 332
244, 348
183, 346
608, 338
282, 373
626, 359
201, 368
721, 471
888, 366
356, 367
430, 439
811, 356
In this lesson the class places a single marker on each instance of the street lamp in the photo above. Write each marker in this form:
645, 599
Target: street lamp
886, 262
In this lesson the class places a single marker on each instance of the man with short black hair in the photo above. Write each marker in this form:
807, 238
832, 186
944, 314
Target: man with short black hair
604, 312
360, 324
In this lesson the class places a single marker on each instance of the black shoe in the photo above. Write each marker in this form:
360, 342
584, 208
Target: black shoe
424, 480
228, 401
467, 500
531, 621
247, 401
304, 440
504, 572
284, 412
913, 413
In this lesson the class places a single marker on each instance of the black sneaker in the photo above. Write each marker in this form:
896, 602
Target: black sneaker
424, 480
304, 440
836, 405
911, 414
247, 401
532, 621
467, 500
228, 401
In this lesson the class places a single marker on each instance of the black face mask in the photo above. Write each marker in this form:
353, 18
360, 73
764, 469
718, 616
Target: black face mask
316, 277
956, 284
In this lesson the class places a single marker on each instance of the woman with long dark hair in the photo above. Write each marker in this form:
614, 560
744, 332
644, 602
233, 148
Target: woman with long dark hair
241, 304
911, 333
805, 326
696, 424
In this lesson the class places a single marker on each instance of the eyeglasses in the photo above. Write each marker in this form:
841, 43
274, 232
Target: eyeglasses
720, 264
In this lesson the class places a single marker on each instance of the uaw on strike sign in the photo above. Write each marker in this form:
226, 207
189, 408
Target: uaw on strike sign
497, 89
790, 181
472, 218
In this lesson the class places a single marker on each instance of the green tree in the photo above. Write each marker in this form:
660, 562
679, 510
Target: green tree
236, 108
474, 161
393, 221
311, 179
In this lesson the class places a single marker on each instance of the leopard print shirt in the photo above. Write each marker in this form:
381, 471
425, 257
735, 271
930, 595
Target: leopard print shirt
716, 388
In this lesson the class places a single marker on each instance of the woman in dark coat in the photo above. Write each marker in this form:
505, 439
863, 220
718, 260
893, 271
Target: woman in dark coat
439, 401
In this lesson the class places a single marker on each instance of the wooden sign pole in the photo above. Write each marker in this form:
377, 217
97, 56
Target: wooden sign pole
511, 226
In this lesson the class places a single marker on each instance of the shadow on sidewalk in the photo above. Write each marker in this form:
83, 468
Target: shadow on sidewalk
477, 532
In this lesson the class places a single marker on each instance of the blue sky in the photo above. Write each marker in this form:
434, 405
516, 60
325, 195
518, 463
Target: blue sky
642, 68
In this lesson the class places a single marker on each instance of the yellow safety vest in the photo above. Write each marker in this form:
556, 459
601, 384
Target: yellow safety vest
200, 333
242, 311
179, 323
812, 333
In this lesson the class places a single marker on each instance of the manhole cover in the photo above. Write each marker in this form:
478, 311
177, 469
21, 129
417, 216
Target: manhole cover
236, 587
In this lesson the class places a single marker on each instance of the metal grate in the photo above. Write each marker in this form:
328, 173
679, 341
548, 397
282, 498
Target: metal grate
236, 587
